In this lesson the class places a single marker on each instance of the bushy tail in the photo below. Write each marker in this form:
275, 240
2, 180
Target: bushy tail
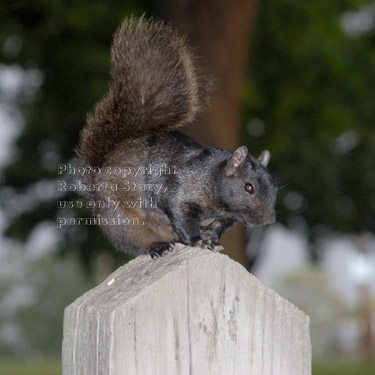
155, 89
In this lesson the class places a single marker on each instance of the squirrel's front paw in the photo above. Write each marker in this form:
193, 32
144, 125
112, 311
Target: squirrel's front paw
200, 243
209, 245
216, 248
159, 249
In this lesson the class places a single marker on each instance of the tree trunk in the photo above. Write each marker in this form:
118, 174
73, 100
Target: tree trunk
220, 32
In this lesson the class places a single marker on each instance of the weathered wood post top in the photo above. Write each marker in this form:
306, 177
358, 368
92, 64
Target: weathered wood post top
190, 312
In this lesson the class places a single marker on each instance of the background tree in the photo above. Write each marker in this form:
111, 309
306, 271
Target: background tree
220, 32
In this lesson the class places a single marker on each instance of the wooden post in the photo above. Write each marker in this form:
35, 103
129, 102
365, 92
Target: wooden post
190, 312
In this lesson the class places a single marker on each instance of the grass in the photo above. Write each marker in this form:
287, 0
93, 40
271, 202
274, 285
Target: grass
343, 367
22, 367
53, 367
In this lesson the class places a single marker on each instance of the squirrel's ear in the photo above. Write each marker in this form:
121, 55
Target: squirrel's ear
264, 158
236, 160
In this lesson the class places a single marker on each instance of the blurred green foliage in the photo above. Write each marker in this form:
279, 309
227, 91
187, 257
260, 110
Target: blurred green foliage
69, 43
309, 98
33, 295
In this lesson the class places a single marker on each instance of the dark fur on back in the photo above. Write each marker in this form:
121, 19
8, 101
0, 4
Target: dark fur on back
155, 88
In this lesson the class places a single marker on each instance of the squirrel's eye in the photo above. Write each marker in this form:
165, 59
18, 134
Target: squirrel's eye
249, 188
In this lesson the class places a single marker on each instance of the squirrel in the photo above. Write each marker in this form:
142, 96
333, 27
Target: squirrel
156, 89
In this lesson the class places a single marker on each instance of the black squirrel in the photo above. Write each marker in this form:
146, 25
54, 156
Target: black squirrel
156, 89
